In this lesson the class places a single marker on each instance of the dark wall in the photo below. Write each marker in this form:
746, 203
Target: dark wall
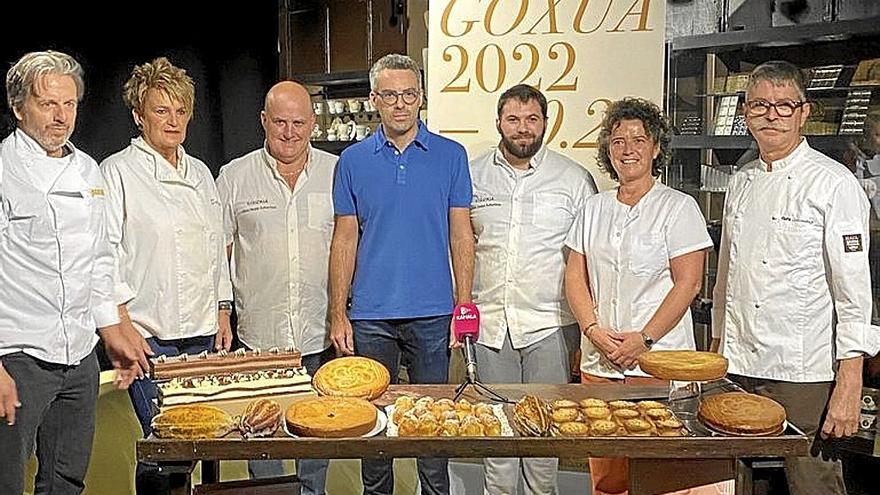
230, 51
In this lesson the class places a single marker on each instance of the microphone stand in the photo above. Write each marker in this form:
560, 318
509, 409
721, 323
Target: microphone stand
471, 376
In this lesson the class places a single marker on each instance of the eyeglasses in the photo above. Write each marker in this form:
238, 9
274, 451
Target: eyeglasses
784, 108
389, 97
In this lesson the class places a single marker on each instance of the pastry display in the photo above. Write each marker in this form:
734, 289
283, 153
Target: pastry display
352, 376
684, 365
239, 385
223, 363
331, 417
261, 418
595, 417
742, 414
532, 417
429, 417
192, 422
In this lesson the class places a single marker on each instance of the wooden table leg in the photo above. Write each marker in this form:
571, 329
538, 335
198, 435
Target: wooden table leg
657, 476
744, 479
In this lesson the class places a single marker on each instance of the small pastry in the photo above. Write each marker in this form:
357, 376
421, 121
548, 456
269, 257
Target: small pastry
587, 403
637, 427
594, 413
677, 432
408, 426
428, 426
482, 408
425, 402
658, 414
574, 429
621, 415
405, 402
419, 411
622, 404
463, 405
449, 416
471, 427
650, 404
563, 404
565, 415
449, 428
491, 425
603, 428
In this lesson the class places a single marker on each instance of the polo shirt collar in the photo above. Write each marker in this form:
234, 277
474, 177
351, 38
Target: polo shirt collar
421, 139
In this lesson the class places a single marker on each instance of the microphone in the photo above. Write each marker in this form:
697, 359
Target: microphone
466, 326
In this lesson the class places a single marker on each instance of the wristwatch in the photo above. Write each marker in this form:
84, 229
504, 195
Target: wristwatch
648, 340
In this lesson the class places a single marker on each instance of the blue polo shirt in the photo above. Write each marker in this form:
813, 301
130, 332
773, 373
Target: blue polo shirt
402, 203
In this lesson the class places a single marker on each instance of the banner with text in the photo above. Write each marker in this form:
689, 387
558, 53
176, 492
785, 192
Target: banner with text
581, 54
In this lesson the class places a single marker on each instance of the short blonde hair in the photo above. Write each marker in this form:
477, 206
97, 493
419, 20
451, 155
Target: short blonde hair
158, 74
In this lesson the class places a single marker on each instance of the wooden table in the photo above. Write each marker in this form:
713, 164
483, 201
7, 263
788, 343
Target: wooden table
658, 464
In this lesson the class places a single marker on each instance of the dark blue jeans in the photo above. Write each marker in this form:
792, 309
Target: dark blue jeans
422, 344
143, 392
57, 416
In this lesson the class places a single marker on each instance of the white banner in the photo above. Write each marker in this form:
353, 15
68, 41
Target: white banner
581, 54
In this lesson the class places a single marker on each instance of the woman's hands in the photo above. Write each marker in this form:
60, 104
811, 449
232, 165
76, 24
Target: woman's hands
630, 346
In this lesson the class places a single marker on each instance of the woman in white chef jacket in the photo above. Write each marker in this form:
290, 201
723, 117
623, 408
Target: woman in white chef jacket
165, 223
635, 262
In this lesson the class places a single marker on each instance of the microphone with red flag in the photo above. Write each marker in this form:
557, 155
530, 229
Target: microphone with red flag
466, 326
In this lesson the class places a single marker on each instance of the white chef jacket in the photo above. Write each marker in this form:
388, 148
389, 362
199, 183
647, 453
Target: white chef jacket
56, 266
281, 249
627, 251
166, 227
793, 292
520, 221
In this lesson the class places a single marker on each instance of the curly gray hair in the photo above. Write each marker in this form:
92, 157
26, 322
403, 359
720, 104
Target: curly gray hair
24, 74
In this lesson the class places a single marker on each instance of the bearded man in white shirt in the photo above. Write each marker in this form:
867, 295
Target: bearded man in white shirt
278, 222
793, 296
56, 282
525, 200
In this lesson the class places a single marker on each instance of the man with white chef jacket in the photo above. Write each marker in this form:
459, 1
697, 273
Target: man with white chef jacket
792, 301
278, 219
56, 282
525, 200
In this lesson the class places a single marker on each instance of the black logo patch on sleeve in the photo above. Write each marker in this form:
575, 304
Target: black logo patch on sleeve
852, 243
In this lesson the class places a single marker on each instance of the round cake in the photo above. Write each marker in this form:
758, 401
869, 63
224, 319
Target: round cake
331, 417
689, 366
742, 414
352, 376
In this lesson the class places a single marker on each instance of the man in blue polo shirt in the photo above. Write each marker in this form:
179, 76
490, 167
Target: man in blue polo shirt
402, 202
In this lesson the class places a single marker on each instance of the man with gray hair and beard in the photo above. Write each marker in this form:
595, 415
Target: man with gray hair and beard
56, 282
525, 200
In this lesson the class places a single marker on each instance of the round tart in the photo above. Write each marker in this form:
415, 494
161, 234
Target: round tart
637, 427
603, 428
743, 414
594, 413
564, 415
621, 415
591, 402
658, 414
692, 366
192, 421
331, 417
563, 404
622, 404
574, 429
352, 376
650, 404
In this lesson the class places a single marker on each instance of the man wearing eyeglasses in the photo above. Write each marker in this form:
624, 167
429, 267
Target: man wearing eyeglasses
402, 202
792, 301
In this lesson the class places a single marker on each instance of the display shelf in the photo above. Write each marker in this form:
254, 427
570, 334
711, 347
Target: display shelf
742, 142
782, 36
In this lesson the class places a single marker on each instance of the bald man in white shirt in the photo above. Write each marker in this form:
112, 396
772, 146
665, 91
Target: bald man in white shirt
278, 222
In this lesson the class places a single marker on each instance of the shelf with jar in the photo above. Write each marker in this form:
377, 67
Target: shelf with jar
344, 120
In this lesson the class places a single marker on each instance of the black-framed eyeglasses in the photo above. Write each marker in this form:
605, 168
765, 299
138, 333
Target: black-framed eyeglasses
389, 97
784, 108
